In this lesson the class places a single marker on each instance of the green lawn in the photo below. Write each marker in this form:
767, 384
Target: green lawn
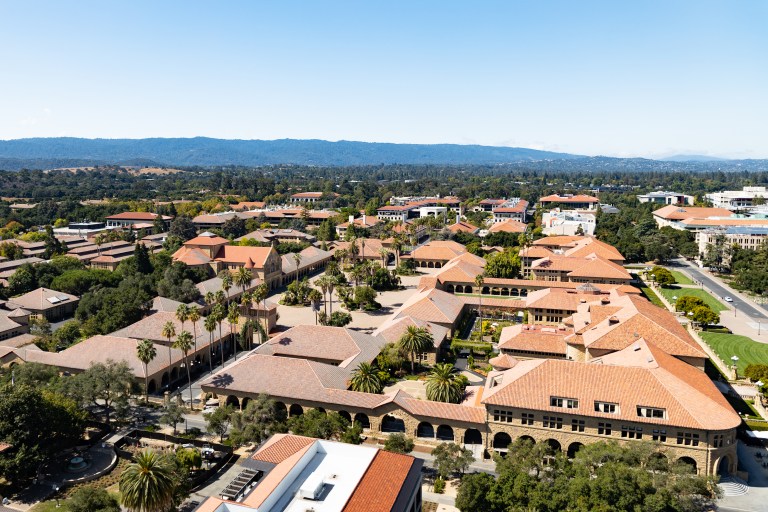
680, 277
648, 293
713, 303
728, 345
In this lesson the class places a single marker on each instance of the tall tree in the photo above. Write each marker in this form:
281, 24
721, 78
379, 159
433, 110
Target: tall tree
184, 343
148, 484
220, 314
233, 316
168, 332
226, 283
210, 326
146, 352
194, 317
365, 378
415, 340
182, 314
479, 281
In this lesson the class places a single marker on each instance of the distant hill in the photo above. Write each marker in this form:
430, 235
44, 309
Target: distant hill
206, 152
693, 158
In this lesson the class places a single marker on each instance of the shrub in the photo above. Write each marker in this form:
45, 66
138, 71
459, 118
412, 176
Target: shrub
439, 486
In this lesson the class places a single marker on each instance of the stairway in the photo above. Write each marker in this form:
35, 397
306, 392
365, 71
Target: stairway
732, 486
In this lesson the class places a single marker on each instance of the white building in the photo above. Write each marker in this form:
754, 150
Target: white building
568, 222
738, 199
664, 197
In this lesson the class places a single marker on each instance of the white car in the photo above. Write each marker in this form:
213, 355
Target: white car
727, 299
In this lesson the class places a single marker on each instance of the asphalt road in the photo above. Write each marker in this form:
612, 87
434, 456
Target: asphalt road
722, 291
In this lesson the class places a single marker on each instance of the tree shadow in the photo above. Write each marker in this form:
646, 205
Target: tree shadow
222, 380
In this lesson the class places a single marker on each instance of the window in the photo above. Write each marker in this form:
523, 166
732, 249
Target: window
631, 432
527, 418
660, 435
502, 416
688, 439
553, 422
651, 412
717, 442
577, 425
606, 407
567, 403
604, 429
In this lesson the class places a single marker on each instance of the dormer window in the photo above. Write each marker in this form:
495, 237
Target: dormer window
606, 407
651, 412
565, 403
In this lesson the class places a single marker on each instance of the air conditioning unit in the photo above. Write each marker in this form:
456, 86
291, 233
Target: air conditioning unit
312, 488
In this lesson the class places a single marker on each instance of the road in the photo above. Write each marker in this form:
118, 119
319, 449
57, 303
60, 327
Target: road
720, 290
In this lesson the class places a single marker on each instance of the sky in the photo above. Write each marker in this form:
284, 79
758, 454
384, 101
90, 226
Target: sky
620, 78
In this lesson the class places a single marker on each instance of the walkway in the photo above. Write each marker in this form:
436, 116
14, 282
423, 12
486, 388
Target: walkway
756, 497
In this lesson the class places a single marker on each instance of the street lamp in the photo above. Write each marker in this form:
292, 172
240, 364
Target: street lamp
56, 490
735, 360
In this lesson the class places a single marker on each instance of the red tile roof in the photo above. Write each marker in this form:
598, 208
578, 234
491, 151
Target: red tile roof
381, 483
281, 446
579, 198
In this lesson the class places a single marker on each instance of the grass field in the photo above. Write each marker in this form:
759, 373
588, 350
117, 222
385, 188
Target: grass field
713, 303
728, 345
680, 277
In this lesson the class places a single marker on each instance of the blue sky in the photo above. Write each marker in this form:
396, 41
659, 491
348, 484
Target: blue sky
625, 78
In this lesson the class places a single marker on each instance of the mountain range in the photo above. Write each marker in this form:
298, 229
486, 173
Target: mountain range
48, 153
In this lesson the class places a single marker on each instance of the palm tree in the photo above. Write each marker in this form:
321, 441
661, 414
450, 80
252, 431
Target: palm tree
384, 253
331, 285
443, 384
341, 255
479, 280
354, 250
98, 240
365, 378
243, 278
397, 246
149, 484
146, 352
297, 260
233, 315
315, 297
226, 283
169, 331
210, 326
182, 314
322, 282
221, 297
184, 343
219, 313
210, 298
415, 340
246, 299
194, 317
260, 296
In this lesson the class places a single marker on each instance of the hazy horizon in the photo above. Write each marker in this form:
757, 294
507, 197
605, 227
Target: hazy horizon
652, 80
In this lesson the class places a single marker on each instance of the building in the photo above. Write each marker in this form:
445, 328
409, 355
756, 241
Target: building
575, 202
507, 226
435, 254
568, 222
751, 238
587, 269
511, 209
363, 222
217, 220
371, 249
487, 205
313, 197
680, 217
109, 259
244, 206
278, 235
394, 328
745, 198
214, 252
136, 220
461, 226
294, 473
42, 302
310, 261
666, 198
404, 208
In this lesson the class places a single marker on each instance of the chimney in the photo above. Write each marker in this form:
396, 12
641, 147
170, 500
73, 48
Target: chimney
351, 219
364, 220
458, 218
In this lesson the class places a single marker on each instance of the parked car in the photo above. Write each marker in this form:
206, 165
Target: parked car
727, 299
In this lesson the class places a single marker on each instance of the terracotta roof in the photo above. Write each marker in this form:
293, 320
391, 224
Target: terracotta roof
561, 299
440, 250
206, 239
534, 338
381, 484
677, 212
592, 266
579, 198
248, 205
312, 194
241, 254
366, 221
281, 446
137, 216
326, 343
559, 240
393, 329
503, 362
462, 226
724, 222
191, 256
508, 226
151, 327
690, 399
433, 305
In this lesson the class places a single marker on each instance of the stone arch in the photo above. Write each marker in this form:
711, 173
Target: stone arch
244, 402
554, 445
363, 420
450, 289
524, 292
515, 292
322, 410
723, 466
527, 439
346, 416
438, 264
573, 449
174, 373
233, 401
445, 433
505, 292
164, 380
151, 386
473, 436
295, 410
281, 409
501, 441
426, 430
485, 291
391, 424
688, 461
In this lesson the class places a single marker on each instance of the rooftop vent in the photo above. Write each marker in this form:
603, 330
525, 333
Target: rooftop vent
613, 320
636, 347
